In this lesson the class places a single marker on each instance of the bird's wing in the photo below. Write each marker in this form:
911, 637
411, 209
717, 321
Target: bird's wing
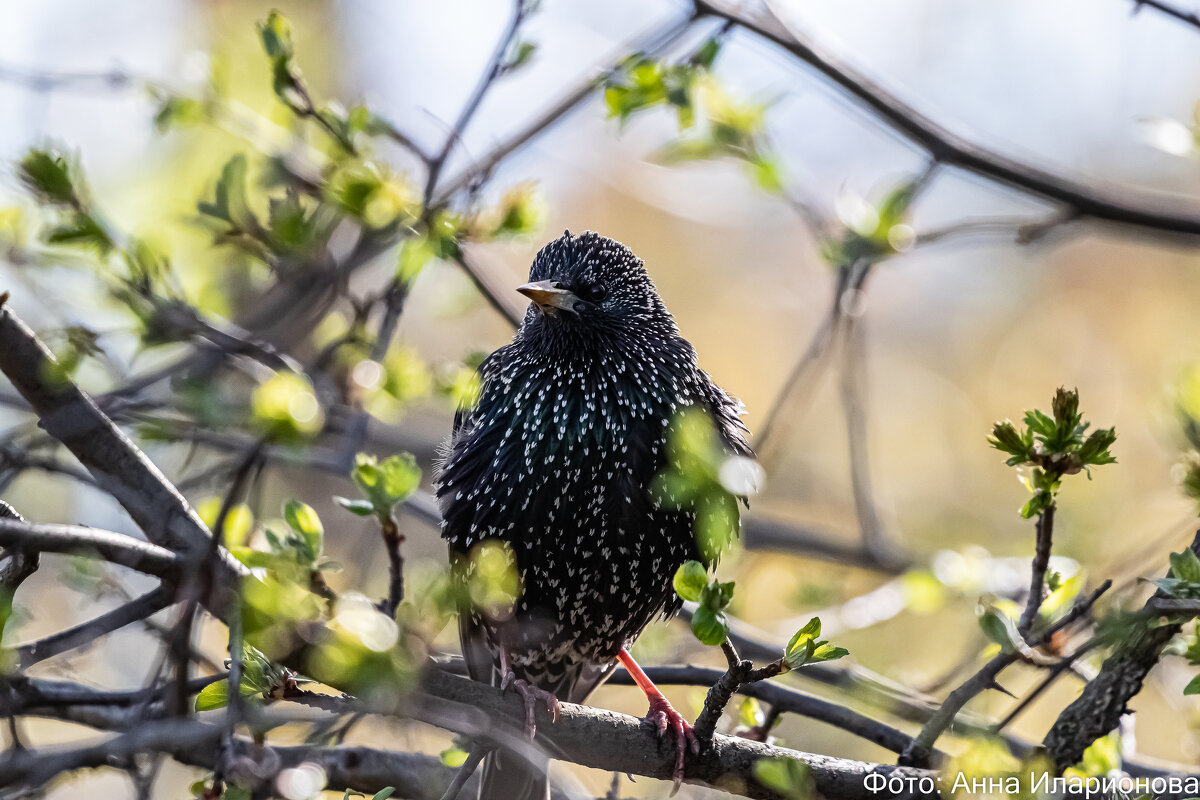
726, 411
481, 666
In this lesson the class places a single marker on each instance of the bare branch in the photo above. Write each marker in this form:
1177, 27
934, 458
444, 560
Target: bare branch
947, 147
1186, 17
1037, 578
118, 466
655, 42
150, 603
115, 548
493, 71
920, 752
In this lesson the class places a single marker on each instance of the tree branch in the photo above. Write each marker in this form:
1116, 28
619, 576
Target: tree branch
139, 608
920, 752
947, 147
1187, 17
116, 548
116, 463
1105, 698
1039, 565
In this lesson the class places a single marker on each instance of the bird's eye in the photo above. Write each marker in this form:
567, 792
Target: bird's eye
595, 293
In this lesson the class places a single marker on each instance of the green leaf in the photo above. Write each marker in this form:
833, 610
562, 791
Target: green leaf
802, 646
716, 595
229, 201
707, 53
690, 580
1095, 448
1193, 686
1006, 439
1185, 566
384, 793
276, 34
48, 176
453, 756
82, 231
710, 627
388, 482
362, 508
178, 111
1037, 504
824, 651
994, 627
213, 696
520, 54
750, 713
304, 520
401, 477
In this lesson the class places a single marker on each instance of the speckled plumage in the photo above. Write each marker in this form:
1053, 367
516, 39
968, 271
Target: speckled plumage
556, 459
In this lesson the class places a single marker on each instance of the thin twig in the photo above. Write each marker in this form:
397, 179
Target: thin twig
493, 71
1187, 17
150, 603
920, 752
464, 772
1037, 578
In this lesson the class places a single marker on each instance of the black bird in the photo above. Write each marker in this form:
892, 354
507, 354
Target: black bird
556, 460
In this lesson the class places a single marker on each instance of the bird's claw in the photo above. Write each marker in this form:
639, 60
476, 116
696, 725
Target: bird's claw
663, 717
531, 695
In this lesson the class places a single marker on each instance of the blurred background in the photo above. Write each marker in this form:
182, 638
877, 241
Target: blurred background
949, 332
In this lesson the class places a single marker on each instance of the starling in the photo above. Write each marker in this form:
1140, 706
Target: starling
555, 460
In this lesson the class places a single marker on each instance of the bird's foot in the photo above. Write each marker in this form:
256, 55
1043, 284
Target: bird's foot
532, 696
662, 716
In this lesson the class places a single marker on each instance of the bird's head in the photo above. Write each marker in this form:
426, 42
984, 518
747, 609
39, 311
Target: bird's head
588, 284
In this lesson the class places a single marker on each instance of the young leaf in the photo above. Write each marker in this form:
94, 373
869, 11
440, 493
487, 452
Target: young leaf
690, 580
1185, 566
213, 696
362, 508
709, 626
304, 520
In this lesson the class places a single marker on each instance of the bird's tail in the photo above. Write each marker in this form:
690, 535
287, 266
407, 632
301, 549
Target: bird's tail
508, 776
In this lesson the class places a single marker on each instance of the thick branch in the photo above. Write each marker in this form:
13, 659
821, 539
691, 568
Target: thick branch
116, 548
615, 742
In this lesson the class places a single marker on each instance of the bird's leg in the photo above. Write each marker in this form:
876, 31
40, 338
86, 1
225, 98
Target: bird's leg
530, 694
662, 716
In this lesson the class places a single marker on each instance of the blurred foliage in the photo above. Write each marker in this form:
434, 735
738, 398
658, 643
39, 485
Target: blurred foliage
1101, 758
285, 217
872, 233
701, 477
786, 777
712, 123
